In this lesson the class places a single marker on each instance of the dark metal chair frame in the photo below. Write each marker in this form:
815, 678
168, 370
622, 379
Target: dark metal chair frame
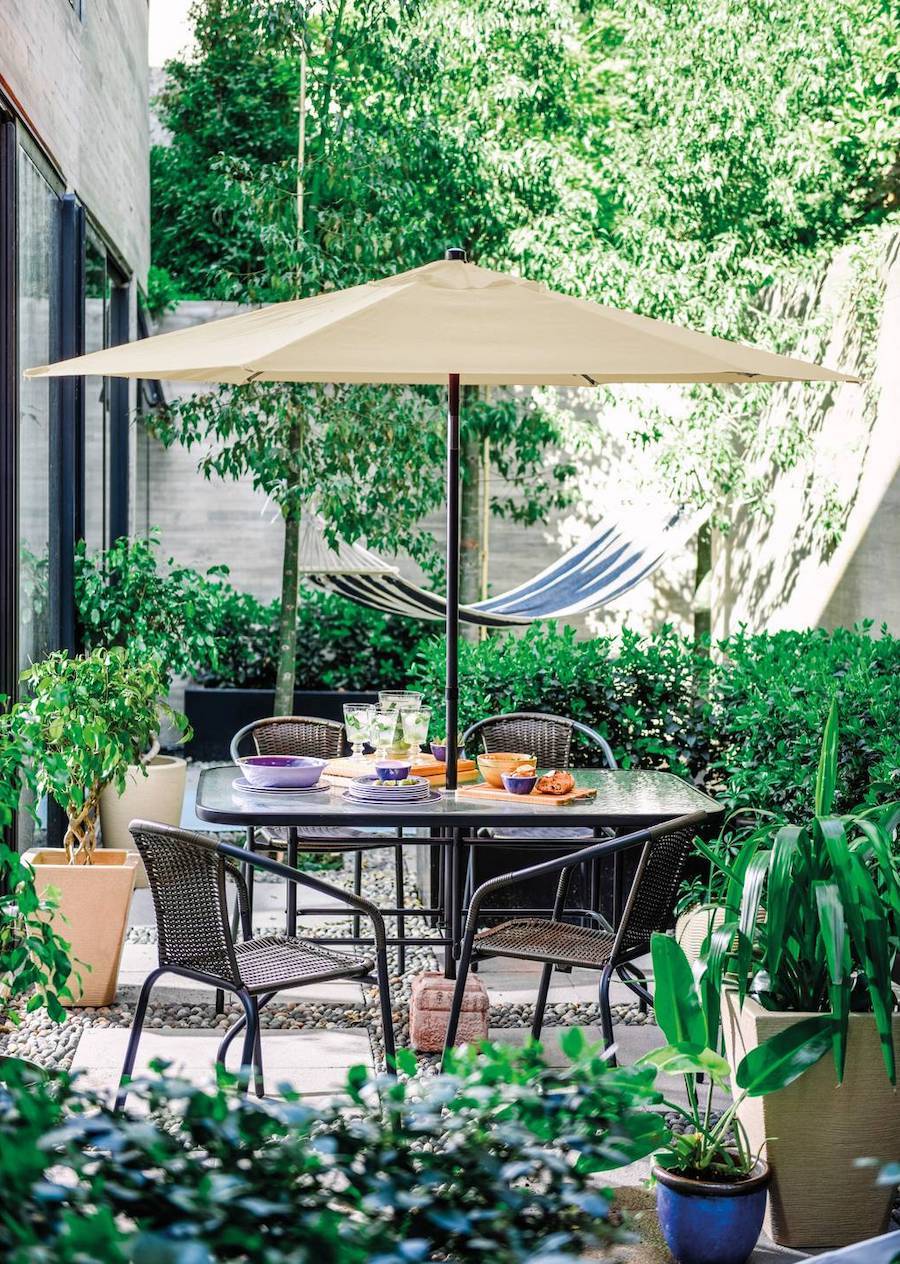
554, 942
322, 739
188, 875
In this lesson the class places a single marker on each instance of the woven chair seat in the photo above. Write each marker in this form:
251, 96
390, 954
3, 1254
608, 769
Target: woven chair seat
537, 939
320, 838
276, 961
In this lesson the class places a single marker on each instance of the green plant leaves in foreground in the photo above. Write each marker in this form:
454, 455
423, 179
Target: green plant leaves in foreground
782, 1058
676, 1004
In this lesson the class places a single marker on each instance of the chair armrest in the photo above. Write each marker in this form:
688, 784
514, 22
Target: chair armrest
596, 851
306, 880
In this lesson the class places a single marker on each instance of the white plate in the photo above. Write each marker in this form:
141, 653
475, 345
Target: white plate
431, 797
243, 786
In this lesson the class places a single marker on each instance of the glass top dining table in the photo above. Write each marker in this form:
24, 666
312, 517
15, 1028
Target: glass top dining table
624, 801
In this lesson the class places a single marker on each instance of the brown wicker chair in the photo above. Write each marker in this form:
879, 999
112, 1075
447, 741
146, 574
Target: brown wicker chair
555, 942
323, 739
188, 875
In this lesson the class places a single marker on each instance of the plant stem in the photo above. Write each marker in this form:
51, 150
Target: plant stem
287, 621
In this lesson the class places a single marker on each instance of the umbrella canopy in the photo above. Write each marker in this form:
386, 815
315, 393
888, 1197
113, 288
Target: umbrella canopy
452, 322
446, 317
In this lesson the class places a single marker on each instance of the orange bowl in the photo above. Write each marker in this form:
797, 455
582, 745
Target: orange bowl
492, 766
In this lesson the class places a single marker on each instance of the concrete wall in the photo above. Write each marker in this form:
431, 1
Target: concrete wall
779, 571
81, 83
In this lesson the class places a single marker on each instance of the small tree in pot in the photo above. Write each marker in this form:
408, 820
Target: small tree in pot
83, 725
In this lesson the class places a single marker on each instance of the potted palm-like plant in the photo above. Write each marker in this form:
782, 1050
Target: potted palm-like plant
827, 945
711, 1182
82, 725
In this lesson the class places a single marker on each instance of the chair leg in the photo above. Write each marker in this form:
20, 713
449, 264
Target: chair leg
251, 1040
606, 1023
382, 974
462, 972
357, 887
541, 1003
401, 921
134, 1037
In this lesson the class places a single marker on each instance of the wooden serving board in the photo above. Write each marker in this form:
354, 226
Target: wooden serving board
347, 769
484, 791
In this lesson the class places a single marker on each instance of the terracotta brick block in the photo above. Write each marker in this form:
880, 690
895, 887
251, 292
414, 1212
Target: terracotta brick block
429, 1010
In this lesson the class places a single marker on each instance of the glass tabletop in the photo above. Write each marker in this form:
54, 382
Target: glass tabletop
624, 798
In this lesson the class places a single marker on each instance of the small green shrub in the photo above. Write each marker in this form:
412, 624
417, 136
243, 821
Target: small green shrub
744, 721
497, 1160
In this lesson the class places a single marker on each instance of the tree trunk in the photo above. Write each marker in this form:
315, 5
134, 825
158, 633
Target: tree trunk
81, 835
287, 622
703, 618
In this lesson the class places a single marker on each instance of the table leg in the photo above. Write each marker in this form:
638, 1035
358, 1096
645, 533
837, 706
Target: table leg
450, 901
291, 924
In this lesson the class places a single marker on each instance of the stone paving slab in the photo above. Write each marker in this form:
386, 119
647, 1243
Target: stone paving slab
310, 1061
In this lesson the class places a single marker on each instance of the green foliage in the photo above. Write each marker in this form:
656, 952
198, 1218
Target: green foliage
830, 888
126, 597
163, 291
688, 1011
34, 959
745, 721
497, 1159
81, 724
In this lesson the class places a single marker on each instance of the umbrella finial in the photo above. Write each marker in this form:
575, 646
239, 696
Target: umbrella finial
455, 252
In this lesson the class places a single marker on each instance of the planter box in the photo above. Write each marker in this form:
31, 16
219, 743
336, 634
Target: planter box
816, 1131
157, 797
217, 714
92, 915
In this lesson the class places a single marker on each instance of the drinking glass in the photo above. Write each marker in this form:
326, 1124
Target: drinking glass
381, 734
397, 701
358, 723
415, 729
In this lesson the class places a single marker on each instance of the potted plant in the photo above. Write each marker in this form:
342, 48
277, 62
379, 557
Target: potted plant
711, 1183
828, 944
35, 965
83, 725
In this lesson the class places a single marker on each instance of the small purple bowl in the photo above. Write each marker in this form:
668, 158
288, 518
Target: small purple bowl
271, 772
518, 785
439, 752
392, 769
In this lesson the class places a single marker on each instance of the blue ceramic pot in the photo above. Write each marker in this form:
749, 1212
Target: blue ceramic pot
711, 1222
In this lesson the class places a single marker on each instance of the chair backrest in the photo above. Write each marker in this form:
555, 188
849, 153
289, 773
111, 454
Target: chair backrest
650, 906
187, 878
547, 737
292, 735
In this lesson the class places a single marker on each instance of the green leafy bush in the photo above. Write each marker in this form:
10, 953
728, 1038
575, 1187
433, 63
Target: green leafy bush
497, 1160
744, 721
81, 724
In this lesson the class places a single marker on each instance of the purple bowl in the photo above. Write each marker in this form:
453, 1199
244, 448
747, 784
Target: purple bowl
270, 772
392, 769
518, 785
439, 751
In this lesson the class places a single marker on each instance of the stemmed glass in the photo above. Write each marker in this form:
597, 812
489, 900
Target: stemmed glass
381, 734
358, 718
415, 729
397, 701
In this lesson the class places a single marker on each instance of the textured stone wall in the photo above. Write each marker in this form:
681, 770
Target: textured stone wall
82, 82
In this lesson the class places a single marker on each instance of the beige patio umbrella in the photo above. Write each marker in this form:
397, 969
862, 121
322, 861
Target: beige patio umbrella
448, 321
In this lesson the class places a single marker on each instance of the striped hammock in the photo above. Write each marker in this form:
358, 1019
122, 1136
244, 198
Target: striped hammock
592, 574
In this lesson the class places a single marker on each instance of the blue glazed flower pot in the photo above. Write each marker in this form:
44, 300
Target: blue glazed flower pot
711, 1222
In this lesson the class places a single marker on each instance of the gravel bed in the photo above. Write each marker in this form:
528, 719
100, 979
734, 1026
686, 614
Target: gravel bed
53, 1045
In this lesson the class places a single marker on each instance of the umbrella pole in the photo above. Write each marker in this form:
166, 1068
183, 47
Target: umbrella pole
451, 694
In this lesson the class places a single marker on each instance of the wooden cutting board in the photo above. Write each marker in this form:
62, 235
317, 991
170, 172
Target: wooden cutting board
484, 791
436, 773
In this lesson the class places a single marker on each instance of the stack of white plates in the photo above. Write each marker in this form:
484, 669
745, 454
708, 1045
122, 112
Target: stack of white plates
365, 790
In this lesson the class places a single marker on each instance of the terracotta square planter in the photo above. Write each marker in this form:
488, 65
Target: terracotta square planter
92, 916
812, 1132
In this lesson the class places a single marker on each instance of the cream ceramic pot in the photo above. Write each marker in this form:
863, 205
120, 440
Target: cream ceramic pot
157, 797
92, 915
